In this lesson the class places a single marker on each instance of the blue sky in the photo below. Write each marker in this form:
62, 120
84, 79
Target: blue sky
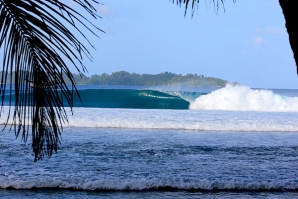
247, 43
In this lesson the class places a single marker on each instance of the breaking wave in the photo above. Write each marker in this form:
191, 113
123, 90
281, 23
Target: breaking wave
149, 184
242, 98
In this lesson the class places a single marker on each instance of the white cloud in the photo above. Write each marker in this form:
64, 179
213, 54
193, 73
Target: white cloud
258, 41
104, 10
271, 30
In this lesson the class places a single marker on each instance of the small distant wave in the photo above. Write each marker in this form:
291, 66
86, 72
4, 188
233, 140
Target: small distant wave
242, 98
149, 184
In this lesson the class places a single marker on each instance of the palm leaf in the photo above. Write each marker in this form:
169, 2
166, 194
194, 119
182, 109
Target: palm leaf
193, 4
35, 39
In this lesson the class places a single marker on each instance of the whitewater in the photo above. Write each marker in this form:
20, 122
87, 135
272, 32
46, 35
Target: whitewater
176, 143
242, 98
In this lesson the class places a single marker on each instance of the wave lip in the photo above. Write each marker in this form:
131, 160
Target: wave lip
242, 98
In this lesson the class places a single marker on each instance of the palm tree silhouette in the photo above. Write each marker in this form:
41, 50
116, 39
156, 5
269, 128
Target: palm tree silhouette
35, 38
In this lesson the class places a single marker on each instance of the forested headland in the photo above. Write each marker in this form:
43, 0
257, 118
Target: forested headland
134, 79
162, 79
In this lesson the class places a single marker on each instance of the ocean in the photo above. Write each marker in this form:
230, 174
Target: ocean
164, 142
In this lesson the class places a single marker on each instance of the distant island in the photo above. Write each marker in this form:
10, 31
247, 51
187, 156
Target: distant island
162, 79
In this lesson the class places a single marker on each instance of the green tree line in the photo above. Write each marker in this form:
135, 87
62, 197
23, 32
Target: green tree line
135, 79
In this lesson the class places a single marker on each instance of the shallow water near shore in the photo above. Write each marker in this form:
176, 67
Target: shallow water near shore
146, 163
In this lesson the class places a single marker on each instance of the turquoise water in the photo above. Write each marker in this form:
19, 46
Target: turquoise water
127, 97
246, 147
130, 98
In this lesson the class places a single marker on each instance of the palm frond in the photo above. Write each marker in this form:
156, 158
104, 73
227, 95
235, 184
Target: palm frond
35, 39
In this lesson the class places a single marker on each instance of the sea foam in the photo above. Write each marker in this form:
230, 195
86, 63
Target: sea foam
201, 120
242, 98
147, 184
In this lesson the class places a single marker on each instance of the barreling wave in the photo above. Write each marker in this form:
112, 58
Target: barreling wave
128, 98
230, 98
150, 184
242, 98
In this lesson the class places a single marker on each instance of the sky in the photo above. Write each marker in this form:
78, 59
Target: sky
244, 42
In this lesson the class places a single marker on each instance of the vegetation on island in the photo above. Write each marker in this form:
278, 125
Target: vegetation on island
161, 79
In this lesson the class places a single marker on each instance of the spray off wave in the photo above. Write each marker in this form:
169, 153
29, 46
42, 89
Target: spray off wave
242, 98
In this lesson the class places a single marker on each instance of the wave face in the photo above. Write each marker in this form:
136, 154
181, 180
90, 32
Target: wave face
130, 98
242, 98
